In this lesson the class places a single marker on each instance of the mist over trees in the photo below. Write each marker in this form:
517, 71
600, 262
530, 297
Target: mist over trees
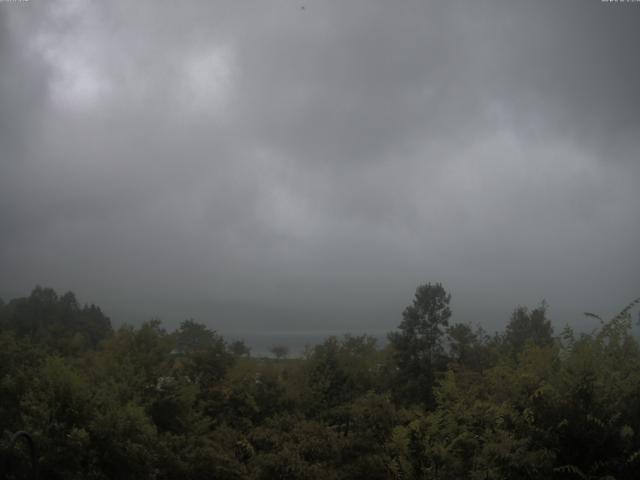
441, 400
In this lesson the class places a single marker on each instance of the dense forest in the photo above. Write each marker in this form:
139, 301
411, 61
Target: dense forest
442, 400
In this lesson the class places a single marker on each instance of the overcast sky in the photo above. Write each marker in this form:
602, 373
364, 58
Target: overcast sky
305, 164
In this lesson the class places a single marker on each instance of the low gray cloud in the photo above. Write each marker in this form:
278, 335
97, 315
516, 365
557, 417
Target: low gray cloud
265, 167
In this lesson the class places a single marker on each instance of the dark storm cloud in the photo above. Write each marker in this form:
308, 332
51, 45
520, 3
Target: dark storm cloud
266, 167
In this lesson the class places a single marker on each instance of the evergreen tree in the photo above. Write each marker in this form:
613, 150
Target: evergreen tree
417, 346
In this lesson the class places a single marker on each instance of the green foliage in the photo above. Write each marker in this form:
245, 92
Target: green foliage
470, 349
528, 326
196, 337
440, 402
280, 351
292, 447
417, 346
59, 322
239, 349
338, 371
